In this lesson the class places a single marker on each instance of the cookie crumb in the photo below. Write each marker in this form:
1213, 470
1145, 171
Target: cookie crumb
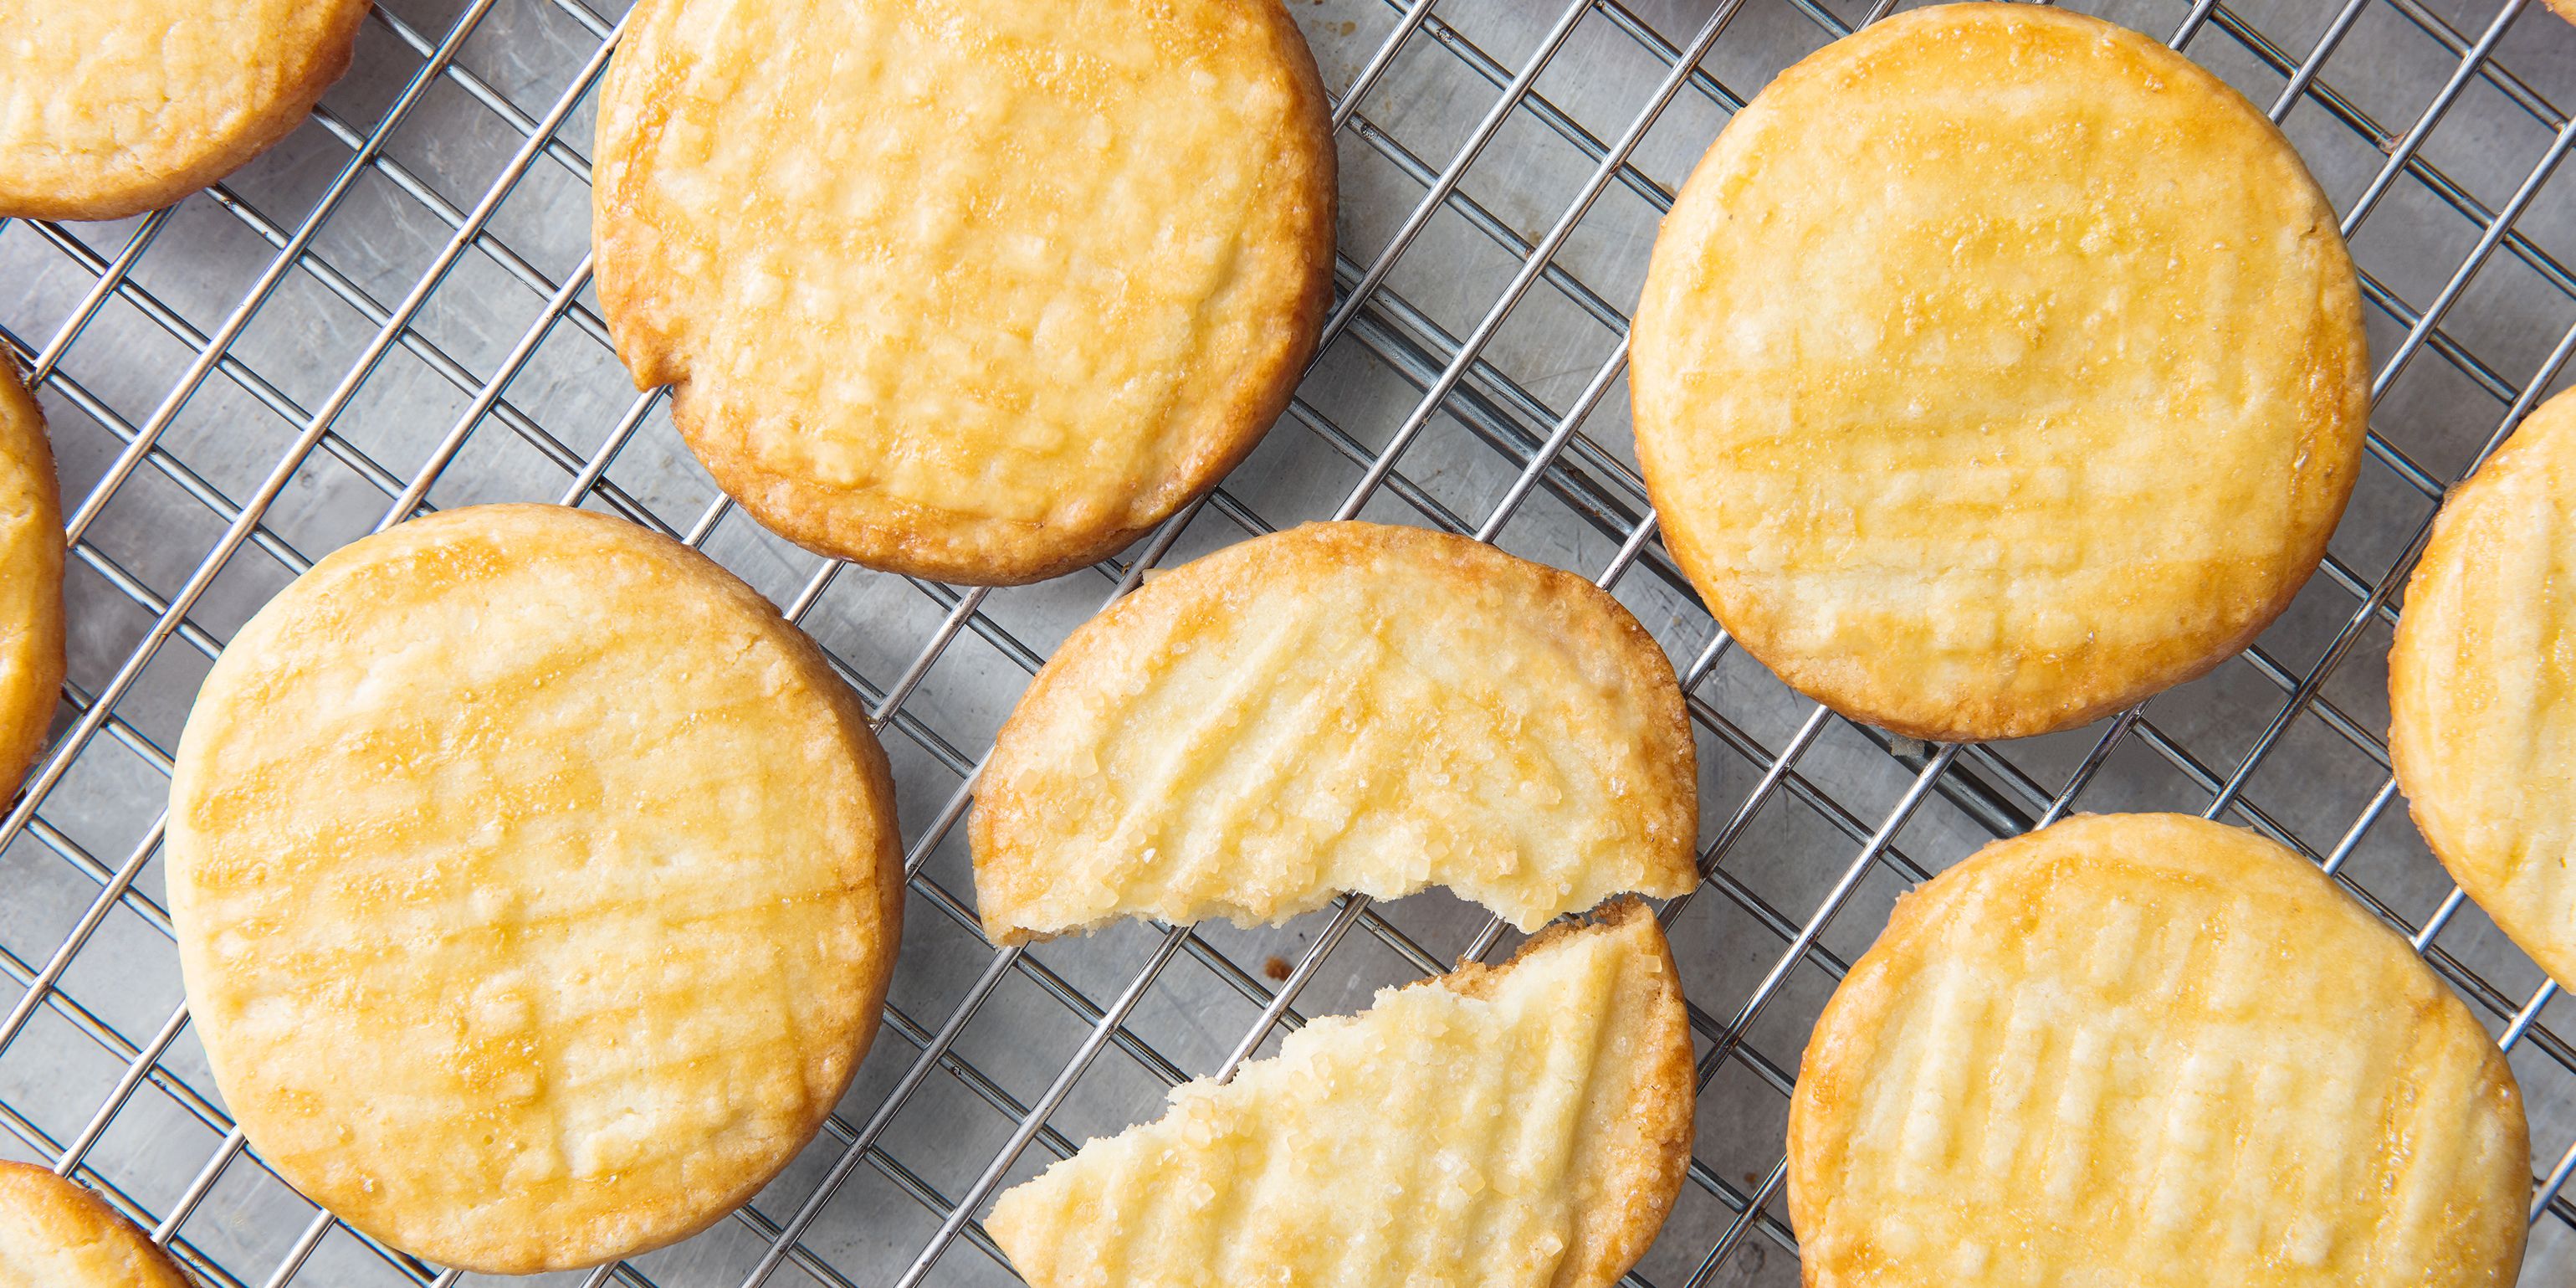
1277, 969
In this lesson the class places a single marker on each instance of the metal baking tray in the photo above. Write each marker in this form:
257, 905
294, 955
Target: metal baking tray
392, 310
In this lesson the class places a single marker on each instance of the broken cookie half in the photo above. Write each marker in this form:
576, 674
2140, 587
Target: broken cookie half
1341, 707
1527, 1124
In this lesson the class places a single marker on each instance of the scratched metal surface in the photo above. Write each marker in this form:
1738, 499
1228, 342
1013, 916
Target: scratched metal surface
225, 412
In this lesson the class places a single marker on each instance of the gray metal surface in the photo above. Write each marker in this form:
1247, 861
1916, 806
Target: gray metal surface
392, 309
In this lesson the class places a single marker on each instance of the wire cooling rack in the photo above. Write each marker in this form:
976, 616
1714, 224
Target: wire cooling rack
392, 311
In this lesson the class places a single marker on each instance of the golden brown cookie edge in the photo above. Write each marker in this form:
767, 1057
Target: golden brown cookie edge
2414, 679
1849, 687
929, 543
1828, 1071
996, 828
709, 1201
75, 1213
36, 554
305, 80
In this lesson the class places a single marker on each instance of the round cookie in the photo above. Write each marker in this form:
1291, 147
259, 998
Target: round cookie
56, 1234
1342, 706
977, 293
2482, 688
109, 108
1997, 369
2154, 1051
536, 886
31, 581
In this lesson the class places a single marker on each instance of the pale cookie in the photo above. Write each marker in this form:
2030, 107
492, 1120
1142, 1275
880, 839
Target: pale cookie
109, 108
1522, 1126
975, 291
2482, 688
2153, 1051
1341, 707
55, 1234
1997, 369
535, 884
31, 580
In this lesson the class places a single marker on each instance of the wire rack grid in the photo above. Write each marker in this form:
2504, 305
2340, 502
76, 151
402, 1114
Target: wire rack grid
391, 312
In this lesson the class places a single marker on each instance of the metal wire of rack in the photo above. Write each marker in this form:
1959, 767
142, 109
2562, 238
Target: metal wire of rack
391, 311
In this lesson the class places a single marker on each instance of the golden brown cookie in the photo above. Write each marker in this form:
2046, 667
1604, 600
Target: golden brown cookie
31, 580
1344, 706
535, 884
109, 108
2482, 687
974, 291
55, 1234
1996, 369
1522, 1126
2154, 1051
